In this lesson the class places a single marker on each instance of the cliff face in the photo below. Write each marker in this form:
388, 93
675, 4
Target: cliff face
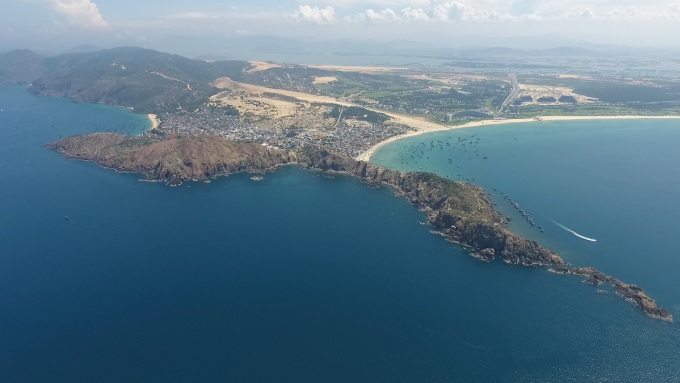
459, 211
173, 160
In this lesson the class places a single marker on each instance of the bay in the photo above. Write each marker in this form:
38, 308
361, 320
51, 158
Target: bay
609, 180
299, 277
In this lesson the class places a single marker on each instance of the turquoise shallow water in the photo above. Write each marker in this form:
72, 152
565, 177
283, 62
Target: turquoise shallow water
611, 180
298, 277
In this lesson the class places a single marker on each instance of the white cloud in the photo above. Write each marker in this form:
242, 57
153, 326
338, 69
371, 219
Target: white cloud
674, 11
448, 10
624, 13
415, 14
84, 13
584, 14
316, 15
372, 16
354, 5
457, 11
511, 11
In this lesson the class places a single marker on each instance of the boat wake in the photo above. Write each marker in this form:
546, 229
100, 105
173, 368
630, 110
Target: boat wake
575, 233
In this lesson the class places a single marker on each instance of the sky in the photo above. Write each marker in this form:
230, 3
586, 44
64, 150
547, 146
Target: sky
61, 24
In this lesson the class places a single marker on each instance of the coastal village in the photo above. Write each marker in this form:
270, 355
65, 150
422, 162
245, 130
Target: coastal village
348, 137
255, 128
317, 191
312, 110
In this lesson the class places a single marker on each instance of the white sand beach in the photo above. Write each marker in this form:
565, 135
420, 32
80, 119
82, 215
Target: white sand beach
424, 127
154, 121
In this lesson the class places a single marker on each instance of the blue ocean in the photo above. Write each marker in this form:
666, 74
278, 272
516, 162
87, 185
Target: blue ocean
303, 277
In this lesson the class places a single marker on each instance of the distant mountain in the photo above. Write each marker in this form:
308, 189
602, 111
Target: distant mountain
143, 79
82, 49
21, 67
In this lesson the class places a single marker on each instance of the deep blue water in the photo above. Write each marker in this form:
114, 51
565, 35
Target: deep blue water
299, 277
612, 180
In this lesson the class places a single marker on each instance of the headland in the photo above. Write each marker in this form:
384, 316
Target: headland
222, 117
460, 212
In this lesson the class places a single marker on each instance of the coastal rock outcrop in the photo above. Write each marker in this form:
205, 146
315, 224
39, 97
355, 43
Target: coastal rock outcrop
461, 212
172, 160
629, 292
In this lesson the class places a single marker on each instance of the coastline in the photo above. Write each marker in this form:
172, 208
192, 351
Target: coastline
154, 121
432, 127
461, 212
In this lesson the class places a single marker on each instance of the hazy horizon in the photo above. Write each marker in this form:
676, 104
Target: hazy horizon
213, 27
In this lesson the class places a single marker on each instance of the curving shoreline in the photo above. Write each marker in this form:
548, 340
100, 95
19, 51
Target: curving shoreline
432, 127
459, 211
155, 122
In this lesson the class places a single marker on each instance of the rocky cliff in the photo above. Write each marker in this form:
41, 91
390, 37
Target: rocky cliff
459, 211
172, 160
631, 293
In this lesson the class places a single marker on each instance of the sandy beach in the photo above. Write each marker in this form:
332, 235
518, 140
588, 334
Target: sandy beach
154, 121
227, 83
424, 127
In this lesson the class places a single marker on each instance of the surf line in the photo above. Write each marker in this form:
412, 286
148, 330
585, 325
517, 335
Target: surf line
575, 233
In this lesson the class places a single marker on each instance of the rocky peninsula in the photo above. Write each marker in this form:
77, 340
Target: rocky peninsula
172, 160
459, 211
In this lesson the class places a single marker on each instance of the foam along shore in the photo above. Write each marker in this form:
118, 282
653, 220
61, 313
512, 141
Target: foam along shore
154, 121
430, 127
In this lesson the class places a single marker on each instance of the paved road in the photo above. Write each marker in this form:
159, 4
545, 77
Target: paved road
513, 94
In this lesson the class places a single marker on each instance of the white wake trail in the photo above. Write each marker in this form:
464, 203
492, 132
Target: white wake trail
575, 233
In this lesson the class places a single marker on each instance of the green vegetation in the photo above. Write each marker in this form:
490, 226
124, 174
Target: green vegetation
146, 80
620, 92
288, 77
155, 82
20, 67
616, 91
612, 97
351, 84
467, 202
357, 113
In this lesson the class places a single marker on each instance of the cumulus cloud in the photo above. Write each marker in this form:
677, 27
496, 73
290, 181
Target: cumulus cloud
373, 16
415, 14
84, 13
316, 15
624, 13
483, 11
674, 11
457, 11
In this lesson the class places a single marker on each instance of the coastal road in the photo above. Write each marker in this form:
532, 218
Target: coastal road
513, 94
